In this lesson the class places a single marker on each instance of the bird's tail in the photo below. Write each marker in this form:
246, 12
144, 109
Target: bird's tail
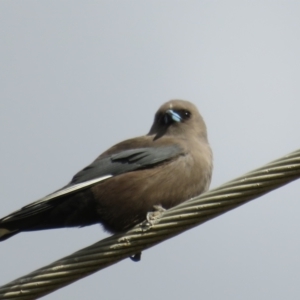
24, 219
74, 210
13, 224
6, 233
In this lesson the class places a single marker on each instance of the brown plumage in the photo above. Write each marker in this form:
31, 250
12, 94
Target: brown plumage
169, 165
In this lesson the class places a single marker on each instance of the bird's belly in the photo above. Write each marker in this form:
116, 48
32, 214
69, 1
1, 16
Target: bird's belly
124, 201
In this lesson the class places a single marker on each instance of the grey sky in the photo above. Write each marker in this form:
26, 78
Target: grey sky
78, 76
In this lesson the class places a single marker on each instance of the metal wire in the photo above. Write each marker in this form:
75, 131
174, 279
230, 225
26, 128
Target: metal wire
172, 222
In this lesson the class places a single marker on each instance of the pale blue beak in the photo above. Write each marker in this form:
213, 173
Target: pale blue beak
174, 116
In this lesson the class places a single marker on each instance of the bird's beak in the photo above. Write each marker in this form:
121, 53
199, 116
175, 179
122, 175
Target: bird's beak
174, 116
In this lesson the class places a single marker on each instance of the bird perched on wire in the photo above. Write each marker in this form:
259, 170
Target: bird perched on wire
169, 165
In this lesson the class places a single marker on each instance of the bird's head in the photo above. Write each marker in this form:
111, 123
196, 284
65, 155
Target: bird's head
179, 118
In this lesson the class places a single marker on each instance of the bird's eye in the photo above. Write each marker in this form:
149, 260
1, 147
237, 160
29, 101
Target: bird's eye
185, 114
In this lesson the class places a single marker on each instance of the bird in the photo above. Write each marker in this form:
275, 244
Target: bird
167, 166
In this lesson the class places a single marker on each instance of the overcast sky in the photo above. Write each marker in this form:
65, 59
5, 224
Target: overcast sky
78, 76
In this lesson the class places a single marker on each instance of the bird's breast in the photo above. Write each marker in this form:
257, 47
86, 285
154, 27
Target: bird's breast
124, 200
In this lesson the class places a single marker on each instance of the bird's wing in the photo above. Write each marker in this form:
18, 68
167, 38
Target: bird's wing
101, 169
45, 203
127, 161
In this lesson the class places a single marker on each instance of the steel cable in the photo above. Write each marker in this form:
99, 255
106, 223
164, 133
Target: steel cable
170, 223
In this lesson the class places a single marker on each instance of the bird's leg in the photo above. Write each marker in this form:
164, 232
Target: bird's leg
152, 216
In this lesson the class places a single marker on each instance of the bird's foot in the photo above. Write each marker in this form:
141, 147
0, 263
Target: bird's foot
152, 217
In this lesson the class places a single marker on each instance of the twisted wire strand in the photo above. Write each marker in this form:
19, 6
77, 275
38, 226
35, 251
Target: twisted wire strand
171, 223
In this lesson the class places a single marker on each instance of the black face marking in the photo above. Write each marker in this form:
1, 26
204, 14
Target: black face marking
178, 116
167, 119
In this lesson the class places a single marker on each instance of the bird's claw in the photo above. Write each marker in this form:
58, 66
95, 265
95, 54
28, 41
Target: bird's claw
152, 217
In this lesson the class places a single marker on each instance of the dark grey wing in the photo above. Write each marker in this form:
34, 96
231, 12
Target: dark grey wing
127, 161
101, 169
48, 202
